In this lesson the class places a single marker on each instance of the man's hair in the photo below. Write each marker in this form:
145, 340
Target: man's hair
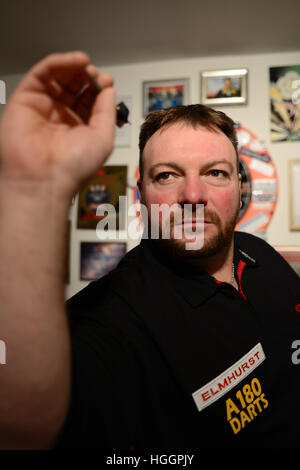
195, 115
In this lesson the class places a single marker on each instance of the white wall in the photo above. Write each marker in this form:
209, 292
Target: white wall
254, 115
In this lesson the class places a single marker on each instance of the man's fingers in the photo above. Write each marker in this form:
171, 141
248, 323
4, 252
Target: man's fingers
84, 102
69, 78
62, 67
103, 79
52, 73
75, 84
72, 71
104, 112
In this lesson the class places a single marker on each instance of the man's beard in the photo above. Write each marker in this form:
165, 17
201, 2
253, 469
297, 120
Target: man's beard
212, 246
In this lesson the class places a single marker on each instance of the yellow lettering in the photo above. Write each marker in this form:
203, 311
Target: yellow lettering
256, 402
240, 398
263, 400
256, 387
235, 424
231, 408
244, 418
248, 393
251, 411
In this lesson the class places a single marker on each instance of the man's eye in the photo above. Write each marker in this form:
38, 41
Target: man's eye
218, 173
164, 176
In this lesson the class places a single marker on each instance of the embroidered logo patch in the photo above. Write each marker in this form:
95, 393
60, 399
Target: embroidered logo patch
217, 387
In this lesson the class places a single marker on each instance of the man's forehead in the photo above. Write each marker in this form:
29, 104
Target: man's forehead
181, 134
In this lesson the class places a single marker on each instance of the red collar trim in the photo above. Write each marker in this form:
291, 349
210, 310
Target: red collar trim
240, 270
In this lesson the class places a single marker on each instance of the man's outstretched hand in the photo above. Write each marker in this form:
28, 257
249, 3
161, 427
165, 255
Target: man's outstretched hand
57, 128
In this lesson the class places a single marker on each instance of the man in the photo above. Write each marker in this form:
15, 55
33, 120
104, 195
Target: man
176, 349
228, 91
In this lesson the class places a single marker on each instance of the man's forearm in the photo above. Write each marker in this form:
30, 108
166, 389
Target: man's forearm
35, 381
56, 132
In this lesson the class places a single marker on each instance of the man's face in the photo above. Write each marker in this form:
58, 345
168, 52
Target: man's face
183, 165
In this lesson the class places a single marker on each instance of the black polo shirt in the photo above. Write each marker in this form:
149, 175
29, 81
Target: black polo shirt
166, 357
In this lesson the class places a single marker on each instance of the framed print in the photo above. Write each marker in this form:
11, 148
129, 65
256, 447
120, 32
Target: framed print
285, 103
292, 255
164, 94
222, 87
294, 194
99, 258
104, 188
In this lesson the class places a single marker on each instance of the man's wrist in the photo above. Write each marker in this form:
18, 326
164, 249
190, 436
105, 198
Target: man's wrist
28, 192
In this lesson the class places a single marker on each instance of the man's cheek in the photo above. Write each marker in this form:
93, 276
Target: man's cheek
154, 198
227, 203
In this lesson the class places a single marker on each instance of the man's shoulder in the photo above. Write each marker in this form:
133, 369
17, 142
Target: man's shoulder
252, 242
256, 247
266, 256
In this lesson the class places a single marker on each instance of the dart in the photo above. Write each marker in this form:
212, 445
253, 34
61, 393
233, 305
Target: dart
122, 114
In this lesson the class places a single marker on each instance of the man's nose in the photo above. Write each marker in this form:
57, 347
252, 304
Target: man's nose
193, 191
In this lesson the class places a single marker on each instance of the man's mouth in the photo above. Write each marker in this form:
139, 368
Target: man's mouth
190, 221
194, 222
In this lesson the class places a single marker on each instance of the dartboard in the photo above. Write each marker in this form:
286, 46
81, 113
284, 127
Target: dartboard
259, 182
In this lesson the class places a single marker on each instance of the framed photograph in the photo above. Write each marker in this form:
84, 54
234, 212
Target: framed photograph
99, 258
284, 89
164, 94
292, 255
294, 170
104, 188
222, 87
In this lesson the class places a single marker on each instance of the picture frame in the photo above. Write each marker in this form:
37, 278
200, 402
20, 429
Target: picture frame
224, 87
109, 183
99, 258
294, 185
164, 94
292, 255
284, 94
